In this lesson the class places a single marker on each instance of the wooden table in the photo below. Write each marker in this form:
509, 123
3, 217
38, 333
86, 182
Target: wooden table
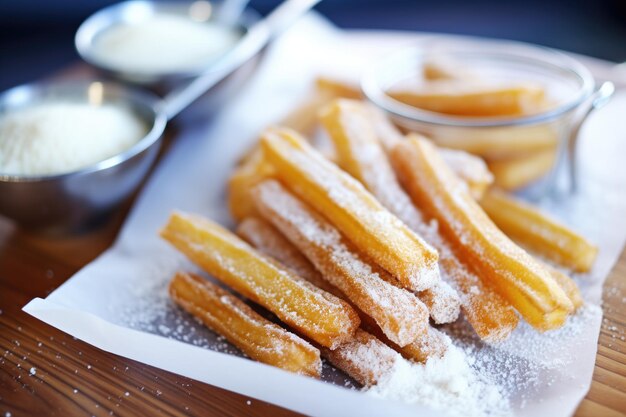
46, 372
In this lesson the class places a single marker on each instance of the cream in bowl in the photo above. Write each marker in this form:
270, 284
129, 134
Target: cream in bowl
163, 43
150, 42
62, 136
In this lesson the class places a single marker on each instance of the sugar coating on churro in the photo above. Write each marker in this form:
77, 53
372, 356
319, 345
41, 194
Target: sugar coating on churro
539, 232
400, 315
353, 210
360, 153
442, 301
488, 313
467, 166
311, 311
256, 336
364, 358
504, 265
432, 344
265, 238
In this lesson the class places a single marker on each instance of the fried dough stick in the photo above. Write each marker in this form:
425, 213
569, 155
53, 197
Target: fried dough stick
399, 314
538, 232
254, 335
312, 312
253, 169
568, 285
463, 98
503, 265
376, 232
470, 168
364, 358
269, 241
520, 171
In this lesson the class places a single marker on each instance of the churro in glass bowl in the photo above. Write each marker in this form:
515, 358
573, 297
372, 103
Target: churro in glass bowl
519, 107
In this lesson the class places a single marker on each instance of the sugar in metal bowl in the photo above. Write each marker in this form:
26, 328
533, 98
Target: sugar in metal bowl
57, 200
67, 201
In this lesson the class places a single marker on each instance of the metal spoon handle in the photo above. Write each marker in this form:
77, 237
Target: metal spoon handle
254, 41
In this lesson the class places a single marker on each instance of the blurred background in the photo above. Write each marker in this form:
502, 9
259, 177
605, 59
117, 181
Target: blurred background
36, 36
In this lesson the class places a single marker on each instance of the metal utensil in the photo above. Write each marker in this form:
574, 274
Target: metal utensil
58, 203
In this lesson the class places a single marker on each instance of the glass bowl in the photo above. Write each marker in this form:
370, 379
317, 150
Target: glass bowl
523, 152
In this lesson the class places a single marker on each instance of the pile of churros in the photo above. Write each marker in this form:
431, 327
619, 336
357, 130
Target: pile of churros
363, 249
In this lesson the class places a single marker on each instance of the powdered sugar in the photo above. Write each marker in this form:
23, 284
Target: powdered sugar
448, 384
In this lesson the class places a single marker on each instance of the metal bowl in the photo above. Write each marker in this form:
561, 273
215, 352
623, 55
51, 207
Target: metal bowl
134, 11
73, 201
164, 83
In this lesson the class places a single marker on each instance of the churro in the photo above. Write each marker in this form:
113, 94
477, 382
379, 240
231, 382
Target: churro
442, 301
538, 232
495, 143
357, 129
312, 312
360, 154
269, 241
254, 335
505, 266
364, 358
355, 212
399, 314
568, 285
463, 98
431, 344
338, 88
252, 170
446, 69
514, 173
470, 169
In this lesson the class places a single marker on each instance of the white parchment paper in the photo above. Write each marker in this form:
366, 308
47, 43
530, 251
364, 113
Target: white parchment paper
119, 304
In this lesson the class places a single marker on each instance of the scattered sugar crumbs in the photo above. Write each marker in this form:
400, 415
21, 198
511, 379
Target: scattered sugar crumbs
477, 379
153, 311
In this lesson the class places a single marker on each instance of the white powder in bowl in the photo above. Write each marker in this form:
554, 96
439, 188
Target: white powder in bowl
60, 137
163, 43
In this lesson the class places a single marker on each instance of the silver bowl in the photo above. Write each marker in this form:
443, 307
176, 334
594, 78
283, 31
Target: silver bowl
134, 11
167, 83
68, 202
